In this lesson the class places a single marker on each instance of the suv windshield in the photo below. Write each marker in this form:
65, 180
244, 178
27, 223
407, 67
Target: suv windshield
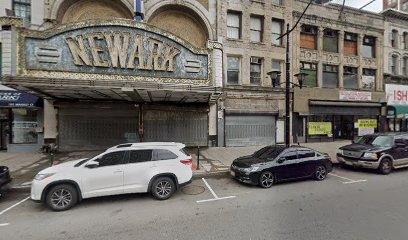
382, 141
268, 152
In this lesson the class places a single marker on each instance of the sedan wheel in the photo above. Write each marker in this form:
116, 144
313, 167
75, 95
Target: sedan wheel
320, 173
162, 188
266, 180
62, 197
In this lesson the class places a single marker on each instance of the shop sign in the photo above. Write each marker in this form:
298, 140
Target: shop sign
354, 95
319, 128
367, 123
396, 94
119, 50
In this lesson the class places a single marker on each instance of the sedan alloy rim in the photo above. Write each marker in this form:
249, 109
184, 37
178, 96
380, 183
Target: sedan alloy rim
320, 173
163, 188
61, 198
267, 179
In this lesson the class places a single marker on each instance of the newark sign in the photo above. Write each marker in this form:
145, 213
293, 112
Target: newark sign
121, 49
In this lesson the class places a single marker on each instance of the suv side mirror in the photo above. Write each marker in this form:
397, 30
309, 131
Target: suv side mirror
92, 165
281, 160
400, 143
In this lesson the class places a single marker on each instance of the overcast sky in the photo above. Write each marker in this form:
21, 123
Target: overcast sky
376, 6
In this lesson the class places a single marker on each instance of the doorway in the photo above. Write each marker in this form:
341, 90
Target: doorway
344, 127
4, 130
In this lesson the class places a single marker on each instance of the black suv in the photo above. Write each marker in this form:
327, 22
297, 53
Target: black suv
382, 151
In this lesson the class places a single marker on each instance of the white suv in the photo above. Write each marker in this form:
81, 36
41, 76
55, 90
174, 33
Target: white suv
158, 168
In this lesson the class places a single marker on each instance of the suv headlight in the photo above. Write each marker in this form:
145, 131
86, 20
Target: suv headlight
250, 169
370, 155
42, 176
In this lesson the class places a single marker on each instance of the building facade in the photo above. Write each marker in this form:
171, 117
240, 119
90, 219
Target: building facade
341, 50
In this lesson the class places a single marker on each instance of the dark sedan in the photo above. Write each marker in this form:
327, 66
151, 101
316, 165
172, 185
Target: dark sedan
4, 177
272, 164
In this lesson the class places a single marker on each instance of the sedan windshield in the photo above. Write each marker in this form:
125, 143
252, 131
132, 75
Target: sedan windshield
381, 141
268, 152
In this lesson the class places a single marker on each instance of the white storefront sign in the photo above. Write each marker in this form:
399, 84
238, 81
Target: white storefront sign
354, 95
396, 94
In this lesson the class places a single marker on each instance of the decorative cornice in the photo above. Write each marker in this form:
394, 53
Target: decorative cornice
12, 21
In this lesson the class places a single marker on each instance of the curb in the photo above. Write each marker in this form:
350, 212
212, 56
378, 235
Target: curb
218, 174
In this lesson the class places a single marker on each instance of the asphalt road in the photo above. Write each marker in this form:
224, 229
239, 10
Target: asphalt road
348, 205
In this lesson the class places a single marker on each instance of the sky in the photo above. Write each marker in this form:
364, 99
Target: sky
376, 6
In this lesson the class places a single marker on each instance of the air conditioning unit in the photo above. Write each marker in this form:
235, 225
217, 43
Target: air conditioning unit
256, 60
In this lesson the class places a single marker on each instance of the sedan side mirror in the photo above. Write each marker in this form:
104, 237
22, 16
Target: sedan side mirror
281, 160
92, 165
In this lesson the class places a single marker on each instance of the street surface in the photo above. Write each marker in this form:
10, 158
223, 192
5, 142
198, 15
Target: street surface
350, 204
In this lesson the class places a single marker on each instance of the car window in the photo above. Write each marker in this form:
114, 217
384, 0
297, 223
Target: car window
137, 156
163, 154
268, 152
382, 141
113, 158
290, 155
305, 153
184, 150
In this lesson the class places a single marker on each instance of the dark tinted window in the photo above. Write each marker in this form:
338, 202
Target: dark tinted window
268, 152
290, 155
162, 154
113, 158
184, 150
140, 156
382, 141
304, 153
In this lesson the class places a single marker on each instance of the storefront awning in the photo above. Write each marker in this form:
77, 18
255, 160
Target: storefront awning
18, 99
397, 111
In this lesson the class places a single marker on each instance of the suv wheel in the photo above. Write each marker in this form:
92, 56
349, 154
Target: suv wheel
385, 166
162, 188
61, 197
320, 173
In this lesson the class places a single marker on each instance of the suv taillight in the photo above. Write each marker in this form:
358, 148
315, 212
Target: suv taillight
187, 162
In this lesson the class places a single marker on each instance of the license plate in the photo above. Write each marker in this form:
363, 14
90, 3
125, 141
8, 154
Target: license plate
232, 173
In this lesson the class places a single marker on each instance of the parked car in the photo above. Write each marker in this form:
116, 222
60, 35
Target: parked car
272, 164
158, 168
382, 151
4, 178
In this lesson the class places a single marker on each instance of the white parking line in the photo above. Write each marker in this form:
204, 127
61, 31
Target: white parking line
4, 224
216, 198
15, 205
348, 179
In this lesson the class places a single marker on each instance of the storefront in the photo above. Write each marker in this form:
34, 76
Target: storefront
397, 107
21, 121
111, 82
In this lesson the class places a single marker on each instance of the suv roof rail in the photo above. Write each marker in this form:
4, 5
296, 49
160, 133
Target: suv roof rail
145, 144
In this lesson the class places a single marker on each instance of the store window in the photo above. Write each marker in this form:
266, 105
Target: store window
308, 37
330, 76
277, 29
234, 25
368, 78
256, 28
24, 125
233, 72
22, 8
368, 49
350, 44
330, 41
311, 70
256, 71
350, 78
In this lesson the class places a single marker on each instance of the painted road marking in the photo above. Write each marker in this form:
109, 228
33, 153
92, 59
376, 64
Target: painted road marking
15, 205
216, 198
4, 224
348, 179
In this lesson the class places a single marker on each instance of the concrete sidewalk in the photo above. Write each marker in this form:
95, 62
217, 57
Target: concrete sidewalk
213, 161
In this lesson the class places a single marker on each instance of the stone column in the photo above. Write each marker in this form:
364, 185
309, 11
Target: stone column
320, 55
379, 53
360, 59
341, 56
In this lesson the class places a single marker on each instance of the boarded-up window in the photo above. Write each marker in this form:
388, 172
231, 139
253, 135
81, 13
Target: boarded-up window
350, 44
256, 28
368, 78
277, 26
255, 71
330, 76
350, 78
311, 70
308, 37
368, 47
234, 25
330, 41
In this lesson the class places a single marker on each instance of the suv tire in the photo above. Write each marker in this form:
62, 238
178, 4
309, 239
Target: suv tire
385, 166
163, 188
61, 197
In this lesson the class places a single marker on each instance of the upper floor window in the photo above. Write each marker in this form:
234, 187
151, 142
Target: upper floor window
404, 6
256, 71
277, 29
311, 70
330, 76
350, 77
368, 78
256, 28
368, 49
22, 8
350, 44
405, 66
330, 41
392, 1
308, 37
234, 25
277, 2
233, 72
394, 65
394, 38
405, 40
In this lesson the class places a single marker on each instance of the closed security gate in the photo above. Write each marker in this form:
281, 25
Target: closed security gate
243, 130
190, 128
96, 128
